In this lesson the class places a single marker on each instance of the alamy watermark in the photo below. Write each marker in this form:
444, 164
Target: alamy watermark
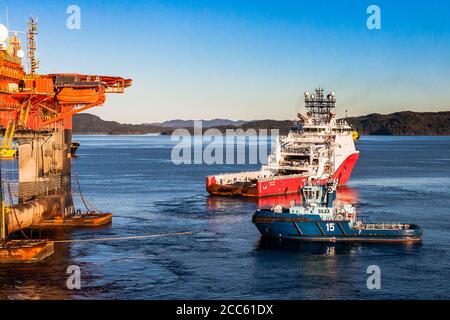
213, 146
374, 19
74, 280
374, 280
73, 21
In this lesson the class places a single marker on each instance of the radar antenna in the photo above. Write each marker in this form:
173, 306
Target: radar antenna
318, 107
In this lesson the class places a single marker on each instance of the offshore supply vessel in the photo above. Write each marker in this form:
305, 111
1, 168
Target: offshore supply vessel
322, 218
318, 145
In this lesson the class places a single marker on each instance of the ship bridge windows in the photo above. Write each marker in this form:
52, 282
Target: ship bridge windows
342, 129
314, 129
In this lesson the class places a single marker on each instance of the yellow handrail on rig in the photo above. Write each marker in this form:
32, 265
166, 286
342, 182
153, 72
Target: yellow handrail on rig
3, 217
23, 119
6, 149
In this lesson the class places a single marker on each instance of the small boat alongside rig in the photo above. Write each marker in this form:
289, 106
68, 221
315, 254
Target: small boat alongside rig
318, 145
73, 148
36, 113
322, 218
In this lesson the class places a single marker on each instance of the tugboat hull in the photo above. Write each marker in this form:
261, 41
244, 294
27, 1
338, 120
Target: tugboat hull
311, 228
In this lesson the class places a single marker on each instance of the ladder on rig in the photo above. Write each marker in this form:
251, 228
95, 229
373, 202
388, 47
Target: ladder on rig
7, 150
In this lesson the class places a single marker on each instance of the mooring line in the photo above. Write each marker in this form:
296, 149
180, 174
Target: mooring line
127, 238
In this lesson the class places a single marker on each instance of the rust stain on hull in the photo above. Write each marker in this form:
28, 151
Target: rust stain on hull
77, 221
25, 251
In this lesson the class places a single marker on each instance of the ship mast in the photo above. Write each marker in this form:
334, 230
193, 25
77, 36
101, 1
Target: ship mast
32, 32
319, 107
320, 111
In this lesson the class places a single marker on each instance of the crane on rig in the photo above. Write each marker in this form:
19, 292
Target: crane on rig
36, 111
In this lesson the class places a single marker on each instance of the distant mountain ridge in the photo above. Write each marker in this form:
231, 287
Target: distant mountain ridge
178, 123
86, 123
406, 123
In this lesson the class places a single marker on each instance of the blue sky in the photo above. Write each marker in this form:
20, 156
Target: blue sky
248, 59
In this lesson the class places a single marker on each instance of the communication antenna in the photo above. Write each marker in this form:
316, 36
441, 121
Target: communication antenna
13, 47
7, 23
31, 35
319, 106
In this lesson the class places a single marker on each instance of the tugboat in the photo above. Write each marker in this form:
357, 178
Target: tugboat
322, 218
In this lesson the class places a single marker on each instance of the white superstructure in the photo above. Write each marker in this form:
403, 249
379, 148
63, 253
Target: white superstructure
317, 145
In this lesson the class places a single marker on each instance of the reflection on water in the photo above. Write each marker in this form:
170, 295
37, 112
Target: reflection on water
314, 248
327, 248
226, 258
45, 280
344, 194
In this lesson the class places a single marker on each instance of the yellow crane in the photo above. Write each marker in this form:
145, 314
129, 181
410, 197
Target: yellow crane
7, 150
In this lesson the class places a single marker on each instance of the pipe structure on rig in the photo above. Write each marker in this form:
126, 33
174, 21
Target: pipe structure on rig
25, 215
44, 189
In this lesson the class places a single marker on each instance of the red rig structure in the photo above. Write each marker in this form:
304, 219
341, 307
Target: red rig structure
36, 111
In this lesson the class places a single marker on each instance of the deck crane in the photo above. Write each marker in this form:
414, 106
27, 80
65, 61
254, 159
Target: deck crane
36, 110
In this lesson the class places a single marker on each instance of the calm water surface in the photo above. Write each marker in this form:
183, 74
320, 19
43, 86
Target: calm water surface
397, 180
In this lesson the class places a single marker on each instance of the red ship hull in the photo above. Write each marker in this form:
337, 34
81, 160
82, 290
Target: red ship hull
281, 185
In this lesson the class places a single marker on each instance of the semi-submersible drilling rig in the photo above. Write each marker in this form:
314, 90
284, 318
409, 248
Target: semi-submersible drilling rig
36, 111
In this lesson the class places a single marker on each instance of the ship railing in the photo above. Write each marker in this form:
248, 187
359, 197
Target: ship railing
297, 151
296, 168
341, 122
26, 190
313, 139
9, 106
276, 178
295, 163
9, 58
243, 177
233, 182
318, 121
383, 226
290, 153
342, 125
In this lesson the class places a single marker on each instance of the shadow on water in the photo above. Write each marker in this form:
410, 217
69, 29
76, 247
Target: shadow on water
331, 249
47, 279
315, 248
33, 281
